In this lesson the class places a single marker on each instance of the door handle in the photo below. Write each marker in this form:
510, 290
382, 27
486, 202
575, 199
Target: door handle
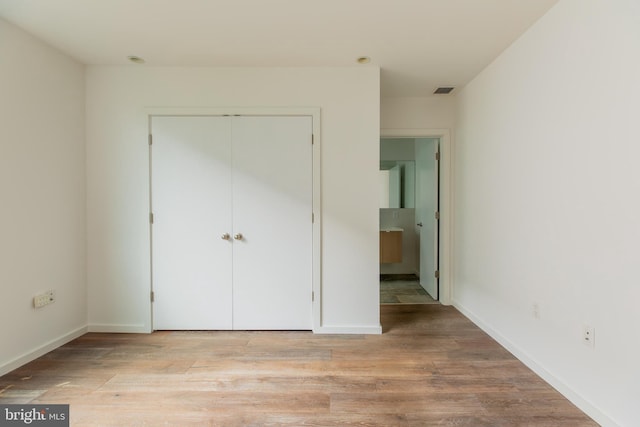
419, 224
238, 236
225, 236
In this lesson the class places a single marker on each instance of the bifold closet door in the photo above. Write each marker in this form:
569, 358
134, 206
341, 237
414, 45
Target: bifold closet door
191, 199
272, 208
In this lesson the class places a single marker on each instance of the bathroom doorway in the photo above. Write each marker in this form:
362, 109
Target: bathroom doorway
409, 220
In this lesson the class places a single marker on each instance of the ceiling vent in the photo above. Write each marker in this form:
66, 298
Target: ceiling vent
136, 59
445, 90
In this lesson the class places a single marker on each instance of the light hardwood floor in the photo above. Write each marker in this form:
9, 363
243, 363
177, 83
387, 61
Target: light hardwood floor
430, 367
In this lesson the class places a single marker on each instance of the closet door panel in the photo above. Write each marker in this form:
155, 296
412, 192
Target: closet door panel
272, 203
191, 202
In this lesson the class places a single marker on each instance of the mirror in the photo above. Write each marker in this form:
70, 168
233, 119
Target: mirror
397, 183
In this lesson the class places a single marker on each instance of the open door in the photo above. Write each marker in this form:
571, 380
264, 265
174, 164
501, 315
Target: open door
427, 196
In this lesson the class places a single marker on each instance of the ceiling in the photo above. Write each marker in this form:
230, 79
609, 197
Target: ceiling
418, 44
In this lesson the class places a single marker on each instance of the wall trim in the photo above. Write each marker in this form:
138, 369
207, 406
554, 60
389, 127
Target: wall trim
41, 350
583, 404
359, 330
446, 201
116, 328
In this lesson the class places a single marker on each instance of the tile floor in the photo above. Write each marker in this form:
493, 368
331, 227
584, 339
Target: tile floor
403, 289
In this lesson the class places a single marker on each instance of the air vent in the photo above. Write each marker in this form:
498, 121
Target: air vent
136, 59
443, 90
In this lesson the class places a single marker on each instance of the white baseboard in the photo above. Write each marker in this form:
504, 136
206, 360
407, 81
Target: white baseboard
41, 351
586, 406
115, 328
367, 330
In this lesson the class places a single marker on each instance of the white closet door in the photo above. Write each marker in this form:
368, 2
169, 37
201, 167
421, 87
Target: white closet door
272, 199
191, 202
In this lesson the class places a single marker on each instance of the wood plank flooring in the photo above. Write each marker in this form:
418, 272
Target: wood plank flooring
430, 367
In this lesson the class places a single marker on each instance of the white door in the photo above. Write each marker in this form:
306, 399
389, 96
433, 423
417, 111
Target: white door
250, 178
272, 207
191, 200
426, 208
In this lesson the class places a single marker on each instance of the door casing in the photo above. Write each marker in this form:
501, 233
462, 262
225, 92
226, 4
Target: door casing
314, 113
446, 198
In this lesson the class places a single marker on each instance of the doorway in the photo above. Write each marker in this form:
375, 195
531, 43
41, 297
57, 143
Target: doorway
417, 276
408, 213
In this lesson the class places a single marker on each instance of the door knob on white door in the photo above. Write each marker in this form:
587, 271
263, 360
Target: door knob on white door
225, 236
238, 236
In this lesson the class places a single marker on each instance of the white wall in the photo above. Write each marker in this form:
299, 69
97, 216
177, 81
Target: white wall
547, 202
434, 112
42, 183
432, 116
118, 201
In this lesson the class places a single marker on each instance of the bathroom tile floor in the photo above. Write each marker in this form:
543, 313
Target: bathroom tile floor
403, 289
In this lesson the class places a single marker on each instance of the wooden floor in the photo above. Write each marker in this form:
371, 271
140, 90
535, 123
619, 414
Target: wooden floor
431, 366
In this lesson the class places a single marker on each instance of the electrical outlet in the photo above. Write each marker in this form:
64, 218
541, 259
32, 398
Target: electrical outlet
536, 310
396, 214
589, 336
43, 299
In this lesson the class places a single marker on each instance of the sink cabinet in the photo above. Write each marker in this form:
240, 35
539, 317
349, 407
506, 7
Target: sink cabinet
390, 246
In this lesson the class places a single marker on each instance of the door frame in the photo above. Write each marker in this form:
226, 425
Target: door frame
445, 243
314, 113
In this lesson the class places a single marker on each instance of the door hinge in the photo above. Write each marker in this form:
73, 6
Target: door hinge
313, 218
150, 217
437, 215
312, 140
313, 296
437, 155
153, 296
150, 139
437, 274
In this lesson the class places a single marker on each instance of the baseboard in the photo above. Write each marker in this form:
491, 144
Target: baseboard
586, 406
367, 330
115, 328
41, 351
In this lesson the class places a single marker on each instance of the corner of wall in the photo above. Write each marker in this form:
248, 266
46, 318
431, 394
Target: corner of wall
42, 105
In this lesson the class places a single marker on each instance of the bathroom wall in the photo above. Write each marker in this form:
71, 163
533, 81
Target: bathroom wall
397, 149
401, 149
